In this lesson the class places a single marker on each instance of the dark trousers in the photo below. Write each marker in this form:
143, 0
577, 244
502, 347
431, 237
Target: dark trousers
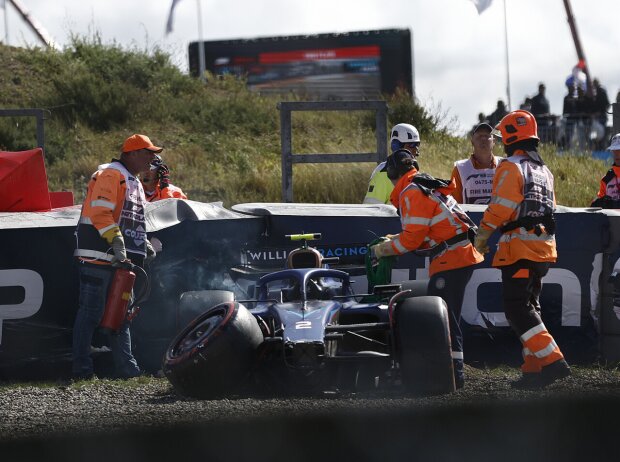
522, 284
450, 285
94, 284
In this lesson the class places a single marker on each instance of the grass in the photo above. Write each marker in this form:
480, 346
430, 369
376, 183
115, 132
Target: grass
221, 141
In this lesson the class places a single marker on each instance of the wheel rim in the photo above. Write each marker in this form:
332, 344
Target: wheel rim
198, 334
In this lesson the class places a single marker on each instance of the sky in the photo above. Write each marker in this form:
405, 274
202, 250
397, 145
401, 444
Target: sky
459, 55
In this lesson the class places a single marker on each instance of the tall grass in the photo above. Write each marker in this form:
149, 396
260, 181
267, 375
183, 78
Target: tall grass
221, 141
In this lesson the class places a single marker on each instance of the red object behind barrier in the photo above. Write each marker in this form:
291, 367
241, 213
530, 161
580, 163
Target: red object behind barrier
61, 199
23, 182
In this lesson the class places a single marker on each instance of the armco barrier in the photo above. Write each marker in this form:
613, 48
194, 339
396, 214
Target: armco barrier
38, 284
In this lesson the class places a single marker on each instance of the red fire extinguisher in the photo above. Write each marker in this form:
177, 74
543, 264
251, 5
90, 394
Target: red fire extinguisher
117, 302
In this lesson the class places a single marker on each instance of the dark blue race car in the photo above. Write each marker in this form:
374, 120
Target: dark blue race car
305, 330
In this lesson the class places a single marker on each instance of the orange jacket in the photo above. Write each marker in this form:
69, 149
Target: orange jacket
171, 191
115, 198
507, 205
430, 220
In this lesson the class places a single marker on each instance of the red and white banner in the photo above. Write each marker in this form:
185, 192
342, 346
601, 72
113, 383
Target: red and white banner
372, 52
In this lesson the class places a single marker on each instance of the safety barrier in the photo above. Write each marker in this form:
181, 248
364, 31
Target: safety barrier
201, 242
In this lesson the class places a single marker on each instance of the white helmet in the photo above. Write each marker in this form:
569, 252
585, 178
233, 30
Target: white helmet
405, 133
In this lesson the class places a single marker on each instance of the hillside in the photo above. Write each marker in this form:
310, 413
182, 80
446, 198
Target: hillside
221, 141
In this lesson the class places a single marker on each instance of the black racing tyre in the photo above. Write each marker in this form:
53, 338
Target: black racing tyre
418, 288
193, 304
423, 346
213, 356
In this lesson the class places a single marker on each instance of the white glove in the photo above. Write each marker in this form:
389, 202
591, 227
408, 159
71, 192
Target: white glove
382, 249
480, 243
156, 243
150, 252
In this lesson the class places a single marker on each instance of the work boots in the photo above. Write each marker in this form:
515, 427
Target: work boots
549, 374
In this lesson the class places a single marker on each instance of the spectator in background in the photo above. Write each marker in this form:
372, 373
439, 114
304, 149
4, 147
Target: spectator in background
527, 104
542, 113
601, 102
599, 105
569, 106
498, 114
156, 183
540, 103
474, 176
570, 113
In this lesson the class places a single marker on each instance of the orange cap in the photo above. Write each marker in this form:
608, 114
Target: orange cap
137, 142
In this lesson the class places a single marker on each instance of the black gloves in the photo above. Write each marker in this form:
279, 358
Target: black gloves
163, 174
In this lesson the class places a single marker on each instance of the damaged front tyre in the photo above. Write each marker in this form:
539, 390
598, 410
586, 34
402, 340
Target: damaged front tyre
214, 355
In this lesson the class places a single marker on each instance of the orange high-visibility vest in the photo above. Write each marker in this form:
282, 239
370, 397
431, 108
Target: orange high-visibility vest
521, 188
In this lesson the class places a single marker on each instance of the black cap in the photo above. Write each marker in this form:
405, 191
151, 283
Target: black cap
482, 125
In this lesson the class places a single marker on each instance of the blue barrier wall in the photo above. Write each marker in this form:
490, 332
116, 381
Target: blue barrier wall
38, 284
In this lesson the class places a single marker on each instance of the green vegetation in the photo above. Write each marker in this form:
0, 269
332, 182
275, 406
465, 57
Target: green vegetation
222, 141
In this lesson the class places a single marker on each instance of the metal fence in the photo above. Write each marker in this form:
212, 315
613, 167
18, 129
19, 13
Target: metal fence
39, 114
289, 158
578, 132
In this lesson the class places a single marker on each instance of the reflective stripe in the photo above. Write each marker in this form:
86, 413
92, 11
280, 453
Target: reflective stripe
85, 220
93, 254
546, 351
526, 352
416, 221
372, 200
103, 230
462, 243
505, 202
102, 203
407, 204
457, 355
401, 248
426, 221
533, 331
490, 225
458, 228
437, 218
526, 237
501, 179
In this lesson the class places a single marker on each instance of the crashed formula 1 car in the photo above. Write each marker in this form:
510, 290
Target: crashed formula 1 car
304, 329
